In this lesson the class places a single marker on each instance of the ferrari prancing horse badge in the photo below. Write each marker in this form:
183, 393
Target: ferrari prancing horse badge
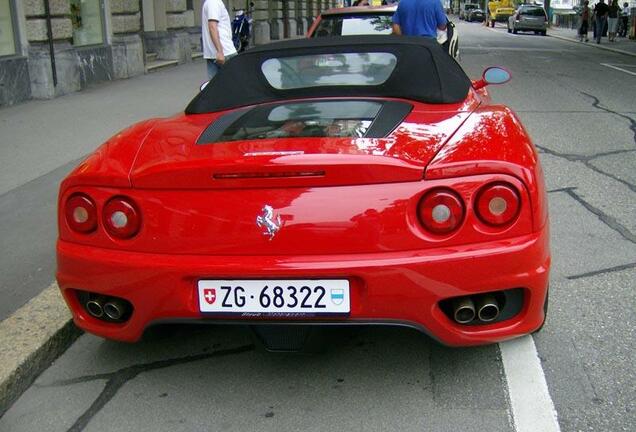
270, 224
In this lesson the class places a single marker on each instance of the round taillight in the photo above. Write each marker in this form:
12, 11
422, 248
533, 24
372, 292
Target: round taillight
497, 204
81, 213
121, 218
441, 211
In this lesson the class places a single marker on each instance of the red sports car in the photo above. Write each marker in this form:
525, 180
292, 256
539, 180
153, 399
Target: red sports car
362, 180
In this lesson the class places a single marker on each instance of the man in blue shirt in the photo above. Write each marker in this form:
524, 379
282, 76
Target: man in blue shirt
419, 18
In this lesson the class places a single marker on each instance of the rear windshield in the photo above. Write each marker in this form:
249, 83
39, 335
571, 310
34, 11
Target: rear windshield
533, 11
340, 25
344, 69
470, 6
304, 119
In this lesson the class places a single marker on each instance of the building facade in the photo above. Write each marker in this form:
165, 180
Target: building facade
53, 47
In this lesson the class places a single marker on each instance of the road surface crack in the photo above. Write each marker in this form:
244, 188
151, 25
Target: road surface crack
608, 220
587, 161
603, 271
597, 104
116, 380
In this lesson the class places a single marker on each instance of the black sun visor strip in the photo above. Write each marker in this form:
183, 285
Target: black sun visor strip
389, 115
423, 72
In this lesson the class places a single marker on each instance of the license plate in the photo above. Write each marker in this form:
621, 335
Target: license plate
283, 297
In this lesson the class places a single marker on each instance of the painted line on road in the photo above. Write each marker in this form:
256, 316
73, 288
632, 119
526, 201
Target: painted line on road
618, 68
503, 48
532, 407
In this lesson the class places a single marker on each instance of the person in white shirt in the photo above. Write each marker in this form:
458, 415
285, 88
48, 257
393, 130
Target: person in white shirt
216, 32
625, 19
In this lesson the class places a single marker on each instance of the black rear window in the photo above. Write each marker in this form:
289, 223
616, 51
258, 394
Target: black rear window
304, 119
349, 25
533, 11
327, 118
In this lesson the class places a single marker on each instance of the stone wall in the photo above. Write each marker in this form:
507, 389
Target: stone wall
176, 17
125, 16
35, 13
127, 51
15, 85
172, 31
276, 20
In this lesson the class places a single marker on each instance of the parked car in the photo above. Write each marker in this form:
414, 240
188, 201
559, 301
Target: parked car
529, 18
351, 21
361, 180
360, 20
476, 15
465, 9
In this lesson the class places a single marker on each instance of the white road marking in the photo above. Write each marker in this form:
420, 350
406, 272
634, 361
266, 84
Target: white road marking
614, 66
503, 48
532, 407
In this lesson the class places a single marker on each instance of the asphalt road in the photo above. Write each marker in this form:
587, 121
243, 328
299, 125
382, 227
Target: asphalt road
582, 117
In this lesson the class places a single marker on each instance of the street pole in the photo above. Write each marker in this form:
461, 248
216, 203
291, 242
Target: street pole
49, 33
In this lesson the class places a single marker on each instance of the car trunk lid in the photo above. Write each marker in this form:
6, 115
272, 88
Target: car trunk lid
171, 159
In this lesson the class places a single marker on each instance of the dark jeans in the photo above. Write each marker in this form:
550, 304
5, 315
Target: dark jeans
601, 22
625, 21
214, 68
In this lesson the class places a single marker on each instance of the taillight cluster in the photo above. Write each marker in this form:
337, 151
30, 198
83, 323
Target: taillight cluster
81, 213
120, 217
497, 204
441, 211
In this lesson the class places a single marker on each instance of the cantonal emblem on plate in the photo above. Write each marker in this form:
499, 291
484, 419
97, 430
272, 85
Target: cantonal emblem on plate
270, 224
337, 296
209, 294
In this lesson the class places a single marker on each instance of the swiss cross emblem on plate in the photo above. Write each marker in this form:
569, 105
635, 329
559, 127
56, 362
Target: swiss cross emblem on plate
209, 294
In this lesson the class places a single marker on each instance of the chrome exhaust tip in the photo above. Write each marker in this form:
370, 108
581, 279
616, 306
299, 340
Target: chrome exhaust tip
95, 308
487, 308
463, 310
115, 309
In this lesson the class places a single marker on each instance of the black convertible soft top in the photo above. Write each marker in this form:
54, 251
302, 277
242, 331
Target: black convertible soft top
423, 72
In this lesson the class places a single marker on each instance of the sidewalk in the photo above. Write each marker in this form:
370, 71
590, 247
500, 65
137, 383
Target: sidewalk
621, 45
40, 141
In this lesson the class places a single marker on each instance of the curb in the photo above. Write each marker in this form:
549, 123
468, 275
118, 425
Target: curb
593, 45
31, 339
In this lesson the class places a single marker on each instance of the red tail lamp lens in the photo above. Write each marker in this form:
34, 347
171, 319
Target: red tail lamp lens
81, 213
121, 218
441, 211
498, 204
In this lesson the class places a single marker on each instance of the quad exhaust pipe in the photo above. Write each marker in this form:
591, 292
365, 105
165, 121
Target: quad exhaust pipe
108, 308
115, 309
485, 308
463, 310
95, 307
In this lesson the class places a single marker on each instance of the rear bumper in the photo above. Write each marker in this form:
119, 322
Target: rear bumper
502, 17
529, 25
402, 288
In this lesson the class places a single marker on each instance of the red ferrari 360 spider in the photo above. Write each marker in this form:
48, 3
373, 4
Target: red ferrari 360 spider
362, 180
